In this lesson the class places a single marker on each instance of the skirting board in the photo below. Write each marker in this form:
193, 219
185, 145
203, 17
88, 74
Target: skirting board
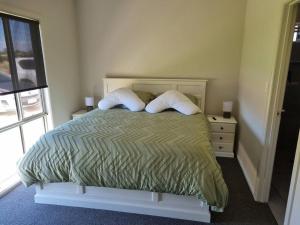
122, 200
225, 154
248, 169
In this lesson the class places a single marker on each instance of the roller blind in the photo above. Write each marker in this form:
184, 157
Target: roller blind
21, 56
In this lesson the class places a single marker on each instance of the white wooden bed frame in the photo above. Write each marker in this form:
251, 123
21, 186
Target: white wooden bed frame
133, 201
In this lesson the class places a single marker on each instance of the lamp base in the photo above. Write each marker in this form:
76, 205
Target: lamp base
89, 108
226, 114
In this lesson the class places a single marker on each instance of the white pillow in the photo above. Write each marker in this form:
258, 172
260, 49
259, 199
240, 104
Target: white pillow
173, 99
123, 96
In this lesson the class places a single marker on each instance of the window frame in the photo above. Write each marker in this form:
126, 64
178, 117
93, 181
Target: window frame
24, 120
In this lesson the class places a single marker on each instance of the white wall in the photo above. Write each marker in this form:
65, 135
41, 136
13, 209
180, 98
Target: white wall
169, 38
58, 26
261, 39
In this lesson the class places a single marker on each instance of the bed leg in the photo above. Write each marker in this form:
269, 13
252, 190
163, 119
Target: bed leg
155, 197
39, 186
80, 189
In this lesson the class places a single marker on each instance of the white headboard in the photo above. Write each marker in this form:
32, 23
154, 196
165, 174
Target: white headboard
195, 87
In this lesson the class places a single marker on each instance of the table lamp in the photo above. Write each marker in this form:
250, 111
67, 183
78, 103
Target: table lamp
227, 109
89, 103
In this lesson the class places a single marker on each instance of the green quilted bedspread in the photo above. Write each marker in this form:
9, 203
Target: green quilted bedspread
165, 152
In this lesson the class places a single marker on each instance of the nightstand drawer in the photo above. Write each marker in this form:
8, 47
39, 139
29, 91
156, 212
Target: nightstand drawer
222, 127
223, 147
223, 137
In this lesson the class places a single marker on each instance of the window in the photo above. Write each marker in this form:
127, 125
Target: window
296, 36
8, 110
23, 116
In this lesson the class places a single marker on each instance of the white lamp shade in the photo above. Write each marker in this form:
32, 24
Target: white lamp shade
227, 106
89, 101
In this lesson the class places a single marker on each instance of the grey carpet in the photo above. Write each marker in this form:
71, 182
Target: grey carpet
18, 208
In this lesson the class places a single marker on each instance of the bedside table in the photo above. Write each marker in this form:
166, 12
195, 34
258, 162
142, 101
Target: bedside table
223, 133
79, 114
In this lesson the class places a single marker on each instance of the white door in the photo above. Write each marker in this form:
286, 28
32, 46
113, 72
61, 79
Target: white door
292, 216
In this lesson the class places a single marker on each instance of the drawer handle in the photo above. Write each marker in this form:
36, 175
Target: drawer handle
222, 128
221, 138
220, 147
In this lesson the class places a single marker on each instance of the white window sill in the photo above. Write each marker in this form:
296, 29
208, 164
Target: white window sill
9, 184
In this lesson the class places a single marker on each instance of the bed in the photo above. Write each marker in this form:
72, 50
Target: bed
158, 164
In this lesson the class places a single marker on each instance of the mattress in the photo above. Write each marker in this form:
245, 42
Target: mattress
166, 152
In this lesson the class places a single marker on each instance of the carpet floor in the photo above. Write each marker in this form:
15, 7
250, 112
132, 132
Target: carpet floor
18, 208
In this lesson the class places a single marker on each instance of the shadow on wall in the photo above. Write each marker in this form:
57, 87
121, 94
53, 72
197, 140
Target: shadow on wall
134, 42
250, 142
169, 38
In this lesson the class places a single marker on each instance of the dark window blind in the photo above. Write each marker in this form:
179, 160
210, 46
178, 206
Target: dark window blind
21, 57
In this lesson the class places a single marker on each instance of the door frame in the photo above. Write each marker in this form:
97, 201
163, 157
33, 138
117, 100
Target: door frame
276, 101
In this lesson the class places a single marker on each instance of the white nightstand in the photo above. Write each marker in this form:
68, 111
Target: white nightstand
223, 133
78, 114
